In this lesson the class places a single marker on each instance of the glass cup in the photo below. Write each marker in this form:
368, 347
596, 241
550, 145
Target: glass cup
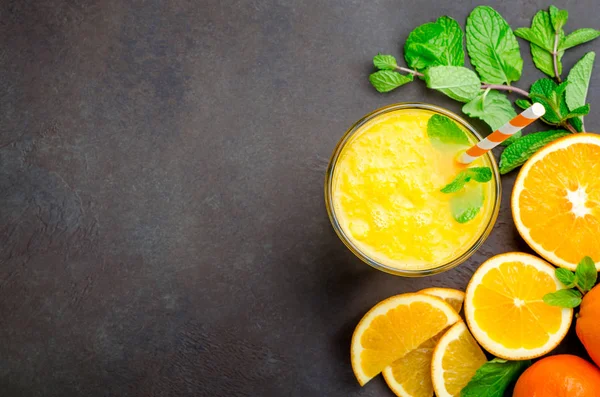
349, 241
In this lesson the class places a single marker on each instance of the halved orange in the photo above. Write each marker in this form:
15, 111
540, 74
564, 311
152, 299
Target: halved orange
410, 376
556, 200
505, 310
395, 327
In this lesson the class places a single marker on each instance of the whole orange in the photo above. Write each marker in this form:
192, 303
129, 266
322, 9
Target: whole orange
559, 376
588, 323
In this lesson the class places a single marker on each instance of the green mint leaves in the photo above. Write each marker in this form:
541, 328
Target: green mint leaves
552, 96
583, 279
437, 43
558, 18
578, 37
457, 82
586, 274
479, 174
567, 298
579, 81
441, 130
387, 80
467, 200
523, 148
566, 277
466, 203
385, 62
549, 42
493, 378
493, 47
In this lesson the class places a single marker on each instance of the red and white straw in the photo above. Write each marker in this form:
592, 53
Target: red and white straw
522, 120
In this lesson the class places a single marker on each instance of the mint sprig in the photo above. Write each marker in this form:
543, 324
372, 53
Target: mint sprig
549, 42
478, 174
553, 97
494, 377
434, 53
583, 280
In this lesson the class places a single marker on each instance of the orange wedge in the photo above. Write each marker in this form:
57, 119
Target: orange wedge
394, 328
410, 376
505, 311
556, 200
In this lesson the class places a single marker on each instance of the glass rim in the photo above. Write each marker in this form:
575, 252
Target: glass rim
348, 241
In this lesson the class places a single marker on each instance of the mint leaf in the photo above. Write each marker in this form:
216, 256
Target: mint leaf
523, 148
523, 103
552, 96
579, 82
479, 174
495, 109
434, 44
493, 378
384, 62
567, 298
578, 37
566, 277
457, 82
558, 18
386, 80
466, 203
493, 47
544, 62
541, 37
586, 274
580, 111
442, 130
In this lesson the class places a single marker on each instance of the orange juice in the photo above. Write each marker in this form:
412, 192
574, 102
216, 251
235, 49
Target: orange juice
385, 194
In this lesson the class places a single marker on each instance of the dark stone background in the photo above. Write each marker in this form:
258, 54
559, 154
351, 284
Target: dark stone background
162, 226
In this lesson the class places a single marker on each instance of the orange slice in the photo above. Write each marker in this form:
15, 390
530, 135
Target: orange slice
556, 200
456, 358
410, 376
395, 327
505, 311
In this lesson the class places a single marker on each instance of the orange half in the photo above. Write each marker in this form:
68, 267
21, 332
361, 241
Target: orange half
556, 200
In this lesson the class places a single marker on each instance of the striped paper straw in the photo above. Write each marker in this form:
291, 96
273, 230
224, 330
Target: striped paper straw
522, 120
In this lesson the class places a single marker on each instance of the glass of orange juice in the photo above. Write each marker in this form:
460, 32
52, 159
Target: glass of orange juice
382, 192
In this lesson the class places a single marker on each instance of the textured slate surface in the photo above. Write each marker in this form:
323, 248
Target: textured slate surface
162, 226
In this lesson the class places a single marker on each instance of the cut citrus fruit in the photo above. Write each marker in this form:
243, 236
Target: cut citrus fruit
556, 200
395, 327
410, 376
505, 311
453, 297
456, 358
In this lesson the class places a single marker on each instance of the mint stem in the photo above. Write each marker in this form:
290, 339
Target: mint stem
413, 72
569, 127
555, 57
502, 87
